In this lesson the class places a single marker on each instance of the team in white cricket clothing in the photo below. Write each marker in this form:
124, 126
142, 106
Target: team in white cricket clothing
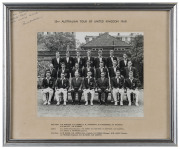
87, 75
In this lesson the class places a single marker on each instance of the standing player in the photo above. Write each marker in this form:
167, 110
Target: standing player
111, 59
78, 59
99, 59
100, 70
57, 61
68, 60
88, 68
89, 58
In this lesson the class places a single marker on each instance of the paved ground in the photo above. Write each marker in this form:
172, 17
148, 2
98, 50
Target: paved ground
90, 111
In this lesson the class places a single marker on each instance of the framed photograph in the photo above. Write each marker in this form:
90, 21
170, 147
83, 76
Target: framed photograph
90, 74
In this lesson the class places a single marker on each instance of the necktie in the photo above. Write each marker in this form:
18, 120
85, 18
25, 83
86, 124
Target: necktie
88, 80
118, 80
62, 81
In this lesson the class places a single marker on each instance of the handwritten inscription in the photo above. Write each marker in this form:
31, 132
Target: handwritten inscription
24, 17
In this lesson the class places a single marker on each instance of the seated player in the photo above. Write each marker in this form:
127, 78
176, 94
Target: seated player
89, 86
117, 84
131, 84
76, 69
88, 68
61, 87
101, 69
103, 87
63, 70
47, 85
76, 87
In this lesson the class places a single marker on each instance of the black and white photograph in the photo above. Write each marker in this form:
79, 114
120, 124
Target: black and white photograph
90, 74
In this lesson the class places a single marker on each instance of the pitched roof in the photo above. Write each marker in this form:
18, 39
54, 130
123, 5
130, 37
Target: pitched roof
105, 40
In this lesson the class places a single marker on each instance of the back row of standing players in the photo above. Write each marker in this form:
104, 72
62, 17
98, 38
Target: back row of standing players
109, 65
118, 77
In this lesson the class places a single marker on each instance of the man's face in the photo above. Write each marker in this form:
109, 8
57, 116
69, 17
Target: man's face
77, 65
89, 74
51, 66
76, 74
62, 75
78, 54
67, 54
88, 53
111, 53
130, 75
124, 56
118, 74
129, 63
114, 63
63, 66
100, 54
47, 74
57, 54
101, 64
102, 75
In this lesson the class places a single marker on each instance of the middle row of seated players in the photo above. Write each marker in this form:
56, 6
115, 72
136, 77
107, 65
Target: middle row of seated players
96, 73
88, 85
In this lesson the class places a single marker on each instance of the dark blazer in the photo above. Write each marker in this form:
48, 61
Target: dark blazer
102, 84
90, 85
66, 72
77, 84
79, 70
97, 62
133, 85
98, 72
45, 83
59, 84
111, 71
115, 84
126, 72
81, 62
53, 73
91, 61
85, 72
109, 62
122, 64
70, 63
56, 64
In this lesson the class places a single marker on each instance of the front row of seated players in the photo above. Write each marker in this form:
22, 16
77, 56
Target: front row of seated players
88, 85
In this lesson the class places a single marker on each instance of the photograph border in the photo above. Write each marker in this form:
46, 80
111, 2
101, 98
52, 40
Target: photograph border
8, 7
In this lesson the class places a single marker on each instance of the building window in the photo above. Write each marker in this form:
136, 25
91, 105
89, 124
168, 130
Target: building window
93, 49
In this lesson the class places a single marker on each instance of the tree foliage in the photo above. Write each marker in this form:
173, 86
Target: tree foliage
58, 41
137, 55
